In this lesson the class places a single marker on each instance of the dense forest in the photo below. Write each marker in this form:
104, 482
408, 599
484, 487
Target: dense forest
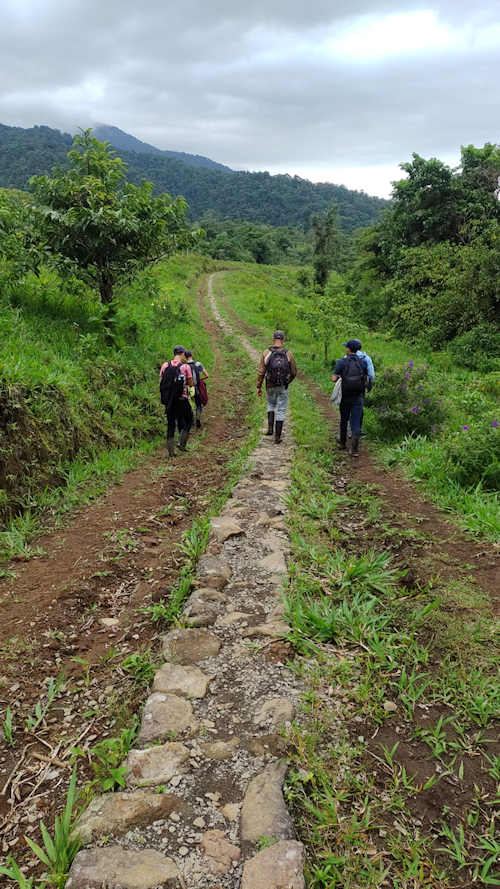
256, 197
430, 269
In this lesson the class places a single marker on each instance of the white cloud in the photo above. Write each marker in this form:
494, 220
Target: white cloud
345, 91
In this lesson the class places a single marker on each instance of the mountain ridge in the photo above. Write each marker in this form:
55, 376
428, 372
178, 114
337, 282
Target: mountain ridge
123, 141
257, 197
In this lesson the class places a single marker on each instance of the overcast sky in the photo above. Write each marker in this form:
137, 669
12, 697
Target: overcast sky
338, 91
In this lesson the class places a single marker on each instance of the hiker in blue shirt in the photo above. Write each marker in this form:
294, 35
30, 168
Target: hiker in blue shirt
369, 364
353, 371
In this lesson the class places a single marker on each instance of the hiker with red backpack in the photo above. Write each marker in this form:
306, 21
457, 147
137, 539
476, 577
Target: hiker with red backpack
353, 371
176, 385
277, 366
200, 387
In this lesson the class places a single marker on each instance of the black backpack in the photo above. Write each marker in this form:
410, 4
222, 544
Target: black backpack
171, 385
353, 376
196, 373
278, 370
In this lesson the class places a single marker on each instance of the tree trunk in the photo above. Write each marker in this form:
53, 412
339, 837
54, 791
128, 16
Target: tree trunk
106, 291
106, 287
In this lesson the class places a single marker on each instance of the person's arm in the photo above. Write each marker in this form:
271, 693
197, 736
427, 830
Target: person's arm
261, 372
293, 367
338, 370
162, 368
371, 369
203, 374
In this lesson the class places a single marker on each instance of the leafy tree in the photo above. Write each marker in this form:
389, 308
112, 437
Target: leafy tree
327, 312
326, 245
431, 267
19, 253
91, 218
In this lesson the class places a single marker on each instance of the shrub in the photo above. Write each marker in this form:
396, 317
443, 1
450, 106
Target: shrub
403, 403
474, 456
478, 348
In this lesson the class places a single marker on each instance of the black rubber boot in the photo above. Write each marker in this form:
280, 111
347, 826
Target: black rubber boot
278, 431
198, 417
183, 437
342, 445
171, 447
355, 446
270, 423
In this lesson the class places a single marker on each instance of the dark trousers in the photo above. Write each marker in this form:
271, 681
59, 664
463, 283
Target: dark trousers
180, 415
351, 409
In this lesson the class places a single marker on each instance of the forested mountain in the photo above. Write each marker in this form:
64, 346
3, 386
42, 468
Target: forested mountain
125, 142
256, 197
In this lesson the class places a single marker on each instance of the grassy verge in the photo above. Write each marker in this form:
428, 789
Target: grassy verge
266, 298
396, 756
79, 413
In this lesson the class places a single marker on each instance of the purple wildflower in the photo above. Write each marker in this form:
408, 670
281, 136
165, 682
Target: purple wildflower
440, 401
466, 428
415, 410
403, 385
410, 364
495, 424
420, 387
407, 375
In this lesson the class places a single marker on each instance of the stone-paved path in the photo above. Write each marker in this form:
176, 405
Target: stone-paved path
204, 783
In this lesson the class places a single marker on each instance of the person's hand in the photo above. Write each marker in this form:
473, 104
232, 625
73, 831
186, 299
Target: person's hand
259, 392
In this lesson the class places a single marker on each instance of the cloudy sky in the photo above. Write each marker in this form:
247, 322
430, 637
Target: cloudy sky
333, 90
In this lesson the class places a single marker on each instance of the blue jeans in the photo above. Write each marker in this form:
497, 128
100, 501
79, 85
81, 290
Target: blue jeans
351, 409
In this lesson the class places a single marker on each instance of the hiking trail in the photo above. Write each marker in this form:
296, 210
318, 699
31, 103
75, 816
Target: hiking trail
198, 809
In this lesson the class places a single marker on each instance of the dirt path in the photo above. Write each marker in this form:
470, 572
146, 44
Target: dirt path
77, 610
223, 694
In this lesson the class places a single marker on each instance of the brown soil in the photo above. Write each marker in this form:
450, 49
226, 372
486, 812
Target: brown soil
112, 559
445, 549
440, 553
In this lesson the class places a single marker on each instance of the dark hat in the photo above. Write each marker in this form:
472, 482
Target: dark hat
188, 353
278, 335
179, 350
353, 345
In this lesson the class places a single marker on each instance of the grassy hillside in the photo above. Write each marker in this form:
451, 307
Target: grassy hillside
65, 395
267, 298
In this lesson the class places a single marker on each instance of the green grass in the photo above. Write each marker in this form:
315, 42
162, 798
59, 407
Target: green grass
371, 652
82, 413
267, 297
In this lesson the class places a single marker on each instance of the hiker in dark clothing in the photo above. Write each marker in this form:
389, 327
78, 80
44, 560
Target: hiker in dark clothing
199, 374
278, 367
353, 371
176, 380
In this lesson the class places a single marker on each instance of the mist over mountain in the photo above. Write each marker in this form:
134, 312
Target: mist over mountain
206, 185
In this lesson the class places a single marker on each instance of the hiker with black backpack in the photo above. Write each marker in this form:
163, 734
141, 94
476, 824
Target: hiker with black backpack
200, 387
353, 372
176, 381
277, 366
